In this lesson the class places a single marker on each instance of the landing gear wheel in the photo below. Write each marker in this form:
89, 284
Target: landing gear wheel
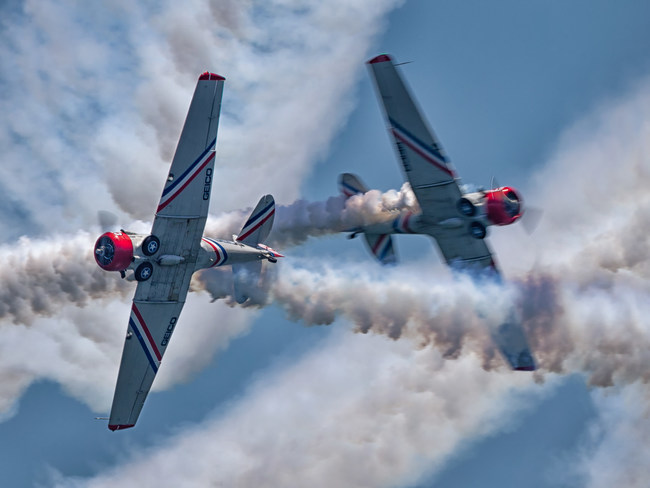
477, 230
272, 260
144, 271
150, 245
466, 207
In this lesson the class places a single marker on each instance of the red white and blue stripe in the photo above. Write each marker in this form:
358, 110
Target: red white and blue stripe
401, 224
179, 183
221, 256
426, 151
142, 332
382, 247
349, 190
256, 221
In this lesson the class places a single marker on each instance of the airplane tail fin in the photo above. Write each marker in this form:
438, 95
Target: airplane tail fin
258, 226
350, 185
256, 229
381, 246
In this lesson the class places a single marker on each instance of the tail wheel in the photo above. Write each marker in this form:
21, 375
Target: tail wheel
150, 245
477, 230
466, 207
144, 271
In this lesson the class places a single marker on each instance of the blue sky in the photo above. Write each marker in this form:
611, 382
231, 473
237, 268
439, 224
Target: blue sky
551, 98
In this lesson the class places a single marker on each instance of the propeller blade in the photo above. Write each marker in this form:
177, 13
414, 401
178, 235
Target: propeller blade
531, 218
107, 220
494, 184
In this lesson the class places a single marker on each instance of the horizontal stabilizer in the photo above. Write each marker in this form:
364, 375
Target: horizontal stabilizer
511, 340
258, 226
381, 245
350, 185
246, 277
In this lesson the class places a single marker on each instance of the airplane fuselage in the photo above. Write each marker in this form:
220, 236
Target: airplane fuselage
124, 251
485, 208
218, 252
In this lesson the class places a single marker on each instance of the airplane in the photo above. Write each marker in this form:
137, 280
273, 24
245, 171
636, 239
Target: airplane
162, 263
456, 220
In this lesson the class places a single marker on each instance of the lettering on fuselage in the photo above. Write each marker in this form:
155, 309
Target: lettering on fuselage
207, 184
168, 332
402, 155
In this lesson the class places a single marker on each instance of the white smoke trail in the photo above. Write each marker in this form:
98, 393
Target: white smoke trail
103, 119
80, 348
53, 292
101, 123
41, 276
582, 282
590, 254
616, 450
296, 222
362, 411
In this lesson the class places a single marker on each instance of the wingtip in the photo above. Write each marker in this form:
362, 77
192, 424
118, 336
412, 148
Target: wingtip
115, 427
525, 368
382, 58
211, 76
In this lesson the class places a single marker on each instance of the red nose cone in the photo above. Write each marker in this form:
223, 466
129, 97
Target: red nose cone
503, 206
114, 251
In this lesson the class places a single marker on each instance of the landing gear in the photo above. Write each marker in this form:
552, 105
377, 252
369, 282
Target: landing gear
144, 271
465, 207
477, 230
272, 260
150, 245
353, 235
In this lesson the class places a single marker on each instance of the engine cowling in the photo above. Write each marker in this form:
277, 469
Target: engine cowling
114, 251
504, 206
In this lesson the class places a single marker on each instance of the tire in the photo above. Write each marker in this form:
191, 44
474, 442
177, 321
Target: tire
477, 230
144, 271
150, 245
466, 208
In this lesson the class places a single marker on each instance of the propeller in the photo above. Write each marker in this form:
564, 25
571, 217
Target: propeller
532, 215
107, 220
531, 218
494, 184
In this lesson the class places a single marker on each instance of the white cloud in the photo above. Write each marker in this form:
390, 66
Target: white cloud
361, 411
96, 129
616, 452
102, 118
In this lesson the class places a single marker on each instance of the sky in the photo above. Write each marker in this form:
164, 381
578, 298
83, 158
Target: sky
340, 372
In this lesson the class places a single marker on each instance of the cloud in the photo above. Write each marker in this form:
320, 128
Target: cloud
100, 123
91, 129
616, 449
360, 411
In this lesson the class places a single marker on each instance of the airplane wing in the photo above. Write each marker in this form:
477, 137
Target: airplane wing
179, 223
427, 168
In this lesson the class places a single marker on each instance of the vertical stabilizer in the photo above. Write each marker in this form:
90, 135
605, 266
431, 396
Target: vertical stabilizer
350, 185
258, 226
381, 246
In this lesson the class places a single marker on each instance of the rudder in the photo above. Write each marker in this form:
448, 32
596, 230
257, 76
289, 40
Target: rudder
258, 226
381, 246
350, 185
